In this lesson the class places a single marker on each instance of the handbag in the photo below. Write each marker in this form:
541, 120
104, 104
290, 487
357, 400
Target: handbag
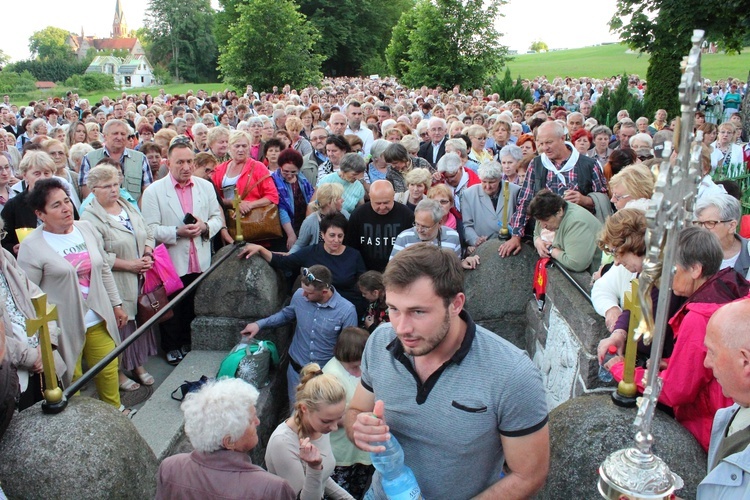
261, 223
149, 303
189, 387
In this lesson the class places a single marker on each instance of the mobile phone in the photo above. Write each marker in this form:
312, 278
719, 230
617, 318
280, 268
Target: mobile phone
189, 219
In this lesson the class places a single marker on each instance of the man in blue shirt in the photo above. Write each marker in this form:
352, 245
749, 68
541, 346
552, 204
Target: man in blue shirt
321, 313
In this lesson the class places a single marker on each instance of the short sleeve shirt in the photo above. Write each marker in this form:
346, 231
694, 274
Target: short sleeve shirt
450, 426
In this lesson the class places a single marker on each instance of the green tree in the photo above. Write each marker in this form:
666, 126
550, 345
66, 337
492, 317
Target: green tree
397, 52
538, 46
12, 82
4, 58
610, 103
49, 44
180, 32
664, 28
509, 90
454, 42
353, 31
270, 43
53, 70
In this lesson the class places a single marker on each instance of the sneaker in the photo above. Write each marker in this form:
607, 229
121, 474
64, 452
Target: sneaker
174, 357
185, 349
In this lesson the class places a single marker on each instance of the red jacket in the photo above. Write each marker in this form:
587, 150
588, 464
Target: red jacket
251, 172
689, 387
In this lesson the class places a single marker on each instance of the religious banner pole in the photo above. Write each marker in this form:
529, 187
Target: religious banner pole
54, 401
238, 236
636, 473
626, 390
504, 232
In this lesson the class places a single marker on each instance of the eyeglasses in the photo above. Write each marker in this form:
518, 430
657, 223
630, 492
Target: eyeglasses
618, 197
309, 278
420, 228
710, 224
3, 234
108, 187
444, 202
610, 251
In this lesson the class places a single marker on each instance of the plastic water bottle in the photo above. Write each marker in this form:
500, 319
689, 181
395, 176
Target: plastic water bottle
397, 479
604, 374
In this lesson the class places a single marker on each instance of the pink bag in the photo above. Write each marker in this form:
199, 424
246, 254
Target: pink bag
162, 272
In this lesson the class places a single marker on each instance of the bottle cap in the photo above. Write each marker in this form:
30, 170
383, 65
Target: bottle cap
612, 349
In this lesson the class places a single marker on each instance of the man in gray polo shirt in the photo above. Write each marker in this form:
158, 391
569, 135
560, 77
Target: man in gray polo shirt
461, 400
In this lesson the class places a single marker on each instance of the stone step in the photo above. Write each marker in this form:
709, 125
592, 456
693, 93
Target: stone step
160, 420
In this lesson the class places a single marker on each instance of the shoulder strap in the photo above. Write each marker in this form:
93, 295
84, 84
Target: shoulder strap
247, 190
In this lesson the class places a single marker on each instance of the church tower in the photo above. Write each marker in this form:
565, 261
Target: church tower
119, 28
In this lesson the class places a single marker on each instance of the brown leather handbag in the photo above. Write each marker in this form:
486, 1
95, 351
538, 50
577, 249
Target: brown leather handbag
152, 302
262, 223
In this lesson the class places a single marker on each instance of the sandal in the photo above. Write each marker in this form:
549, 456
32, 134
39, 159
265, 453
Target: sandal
129, 386
145, 378
128, 412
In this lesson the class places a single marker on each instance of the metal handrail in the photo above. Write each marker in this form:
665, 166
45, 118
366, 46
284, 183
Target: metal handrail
570, 278
98, 367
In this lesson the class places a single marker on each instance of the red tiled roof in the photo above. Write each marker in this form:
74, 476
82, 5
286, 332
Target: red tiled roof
115, 43
45, 85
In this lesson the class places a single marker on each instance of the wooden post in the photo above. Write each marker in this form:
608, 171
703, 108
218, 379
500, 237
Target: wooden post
53, 395
238, 237
504, 231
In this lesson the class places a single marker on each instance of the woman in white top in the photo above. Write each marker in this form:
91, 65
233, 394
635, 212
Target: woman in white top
300, 448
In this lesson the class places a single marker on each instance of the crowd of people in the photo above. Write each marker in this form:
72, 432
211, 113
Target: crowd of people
384, 196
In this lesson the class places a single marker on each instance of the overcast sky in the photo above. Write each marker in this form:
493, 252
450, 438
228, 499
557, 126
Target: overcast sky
555, 22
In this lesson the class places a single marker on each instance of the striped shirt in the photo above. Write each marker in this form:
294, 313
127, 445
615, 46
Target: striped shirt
447, 237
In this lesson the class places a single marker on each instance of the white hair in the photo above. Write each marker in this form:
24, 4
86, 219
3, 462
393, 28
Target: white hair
728, 206
449, 163
219, 409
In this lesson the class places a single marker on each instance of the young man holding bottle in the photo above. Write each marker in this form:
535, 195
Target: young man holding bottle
443, 385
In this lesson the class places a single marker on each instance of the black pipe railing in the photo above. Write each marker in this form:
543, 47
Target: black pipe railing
98, 367
572, 280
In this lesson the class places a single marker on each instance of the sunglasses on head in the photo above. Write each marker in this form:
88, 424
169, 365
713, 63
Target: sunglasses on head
309, 278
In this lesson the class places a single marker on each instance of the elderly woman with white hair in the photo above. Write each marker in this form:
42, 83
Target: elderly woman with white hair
418, 182
643, 145
222, 425
378, 167
200, 137
76, 154
510, 158
720, 213
483, 207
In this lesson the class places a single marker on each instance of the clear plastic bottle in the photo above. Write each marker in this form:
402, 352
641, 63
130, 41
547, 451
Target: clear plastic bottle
397, 479
604, 374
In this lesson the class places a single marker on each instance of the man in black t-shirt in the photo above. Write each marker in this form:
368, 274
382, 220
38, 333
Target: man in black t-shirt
373, 227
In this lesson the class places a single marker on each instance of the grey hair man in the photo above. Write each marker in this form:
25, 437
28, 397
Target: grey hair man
427, 229
136, 172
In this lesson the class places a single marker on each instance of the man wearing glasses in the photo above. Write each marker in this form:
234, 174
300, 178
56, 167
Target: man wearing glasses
427, 229
320, 312
434, 149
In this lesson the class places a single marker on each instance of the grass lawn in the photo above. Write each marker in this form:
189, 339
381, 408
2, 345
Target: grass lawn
607, 60
154, 91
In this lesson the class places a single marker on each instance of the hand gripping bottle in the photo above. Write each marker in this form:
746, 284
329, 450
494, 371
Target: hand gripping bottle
604, 374
397, 479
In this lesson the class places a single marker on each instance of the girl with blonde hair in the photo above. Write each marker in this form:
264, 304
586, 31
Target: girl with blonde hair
299, 450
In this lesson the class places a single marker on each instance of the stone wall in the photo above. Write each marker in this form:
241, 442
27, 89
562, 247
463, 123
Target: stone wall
563, 338
239, 292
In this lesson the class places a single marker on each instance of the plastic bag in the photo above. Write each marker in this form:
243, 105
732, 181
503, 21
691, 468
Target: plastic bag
250, 362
